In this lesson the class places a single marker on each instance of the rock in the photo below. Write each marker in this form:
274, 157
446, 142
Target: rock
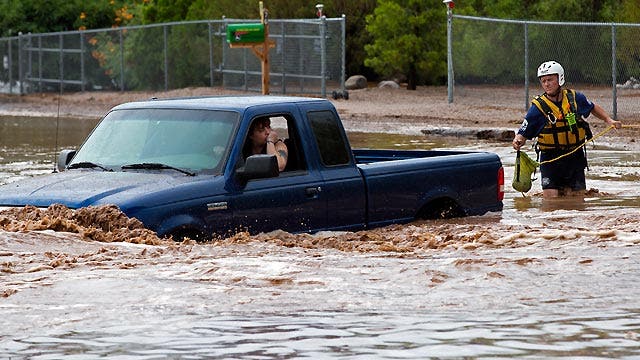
632, 83
356, 82
340, 94
499, 135
389, 84
483, 134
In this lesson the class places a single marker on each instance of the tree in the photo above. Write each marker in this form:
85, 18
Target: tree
37, 16
409, 38
354, 10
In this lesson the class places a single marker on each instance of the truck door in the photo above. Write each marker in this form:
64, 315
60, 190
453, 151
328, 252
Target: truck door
343, 184
292, 201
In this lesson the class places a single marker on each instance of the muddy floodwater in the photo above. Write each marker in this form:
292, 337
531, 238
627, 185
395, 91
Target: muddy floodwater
541, 279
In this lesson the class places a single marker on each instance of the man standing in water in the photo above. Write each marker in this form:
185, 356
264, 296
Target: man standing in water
556, 118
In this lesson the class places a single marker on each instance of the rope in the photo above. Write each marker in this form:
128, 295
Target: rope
584, 143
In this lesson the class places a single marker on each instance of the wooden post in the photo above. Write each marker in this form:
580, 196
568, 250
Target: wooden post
261, 49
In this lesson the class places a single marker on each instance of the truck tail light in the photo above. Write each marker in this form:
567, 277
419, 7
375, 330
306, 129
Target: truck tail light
500, 184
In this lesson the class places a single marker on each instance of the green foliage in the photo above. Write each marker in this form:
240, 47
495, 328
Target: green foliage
145, 68
106, 51
189, 65
187, 61
629, 44
95, 15
490, 51
38, 16
548, 10
386, 38
407, 38
629, 11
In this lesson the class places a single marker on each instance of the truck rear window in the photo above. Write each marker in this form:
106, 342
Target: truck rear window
330, 139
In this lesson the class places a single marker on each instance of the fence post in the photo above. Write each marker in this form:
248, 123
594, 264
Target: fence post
614, 71
29, 57
39, 63
246, 69
343, 50
166, 58
284, 57
82, 80
61, 71
323, 56
450, 5
224, 49
10, 64
121, 60
20, 75
526, 66
210, 27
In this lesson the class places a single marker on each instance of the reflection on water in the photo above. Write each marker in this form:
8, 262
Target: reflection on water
30, 145
403, 142
542, 279
354, 335
526, 203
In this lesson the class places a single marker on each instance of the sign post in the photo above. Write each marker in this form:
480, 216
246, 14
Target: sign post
256, 37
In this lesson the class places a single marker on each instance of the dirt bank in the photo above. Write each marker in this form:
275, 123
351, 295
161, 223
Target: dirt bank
427, 105
425, 110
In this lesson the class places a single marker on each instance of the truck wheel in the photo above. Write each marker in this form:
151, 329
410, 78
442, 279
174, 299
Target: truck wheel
180, 234
440, 209
335, 94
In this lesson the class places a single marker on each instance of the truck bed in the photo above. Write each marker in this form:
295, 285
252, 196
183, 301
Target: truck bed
459, 183
366, 156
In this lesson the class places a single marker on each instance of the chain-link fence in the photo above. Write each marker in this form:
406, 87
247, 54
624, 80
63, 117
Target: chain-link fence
308, 58
601, 60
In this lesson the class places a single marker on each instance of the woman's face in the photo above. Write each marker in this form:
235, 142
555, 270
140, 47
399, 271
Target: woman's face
260, 133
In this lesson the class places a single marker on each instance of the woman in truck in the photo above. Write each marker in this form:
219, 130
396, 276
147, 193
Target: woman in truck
264, 140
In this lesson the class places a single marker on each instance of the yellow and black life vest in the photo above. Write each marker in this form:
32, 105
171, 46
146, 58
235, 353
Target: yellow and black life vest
565, 129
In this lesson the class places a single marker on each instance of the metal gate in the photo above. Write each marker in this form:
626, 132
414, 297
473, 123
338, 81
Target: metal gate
309, 58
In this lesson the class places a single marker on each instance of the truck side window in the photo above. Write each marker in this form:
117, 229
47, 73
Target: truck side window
284, 126
331, 143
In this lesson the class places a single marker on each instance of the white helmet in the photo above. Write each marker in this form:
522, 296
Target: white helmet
552, 67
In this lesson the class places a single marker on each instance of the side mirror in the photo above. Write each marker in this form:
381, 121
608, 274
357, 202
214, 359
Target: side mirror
64, 158
258, 167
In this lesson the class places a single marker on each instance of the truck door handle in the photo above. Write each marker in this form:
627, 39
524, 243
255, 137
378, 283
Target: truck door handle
312, 191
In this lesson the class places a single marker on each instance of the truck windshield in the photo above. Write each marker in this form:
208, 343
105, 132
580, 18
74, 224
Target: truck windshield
195, 140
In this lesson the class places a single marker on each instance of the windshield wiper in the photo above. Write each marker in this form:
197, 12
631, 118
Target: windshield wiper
87, 165
156, 166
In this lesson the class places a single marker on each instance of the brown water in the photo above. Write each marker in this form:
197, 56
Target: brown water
542, 279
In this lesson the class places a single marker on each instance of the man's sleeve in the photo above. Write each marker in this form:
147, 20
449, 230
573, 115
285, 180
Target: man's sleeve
585, 106
533, 123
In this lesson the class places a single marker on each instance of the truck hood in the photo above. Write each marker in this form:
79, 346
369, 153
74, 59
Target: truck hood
80, 188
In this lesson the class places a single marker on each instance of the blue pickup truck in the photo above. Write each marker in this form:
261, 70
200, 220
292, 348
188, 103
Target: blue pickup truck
177, 166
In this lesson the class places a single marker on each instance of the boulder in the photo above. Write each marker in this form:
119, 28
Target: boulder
632, 83
388, 84
356, 82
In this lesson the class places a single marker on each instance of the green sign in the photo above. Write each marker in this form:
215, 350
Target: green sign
245, 33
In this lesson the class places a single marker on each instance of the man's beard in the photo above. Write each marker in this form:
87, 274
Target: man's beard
555, 93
